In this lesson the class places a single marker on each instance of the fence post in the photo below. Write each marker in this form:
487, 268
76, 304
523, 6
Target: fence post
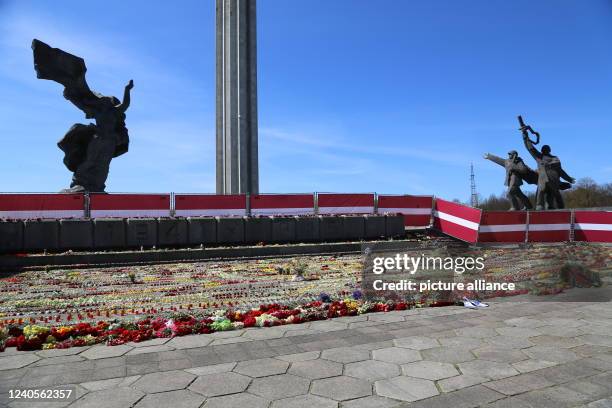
86, 205
315, 198
248, 204
375, 203
527, 228
172, 205
572, 225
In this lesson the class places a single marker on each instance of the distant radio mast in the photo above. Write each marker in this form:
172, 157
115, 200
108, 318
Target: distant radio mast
474, 194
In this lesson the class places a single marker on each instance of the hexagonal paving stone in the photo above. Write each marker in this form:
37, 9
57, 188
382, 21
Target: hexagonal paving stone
241, 400
279, 386
429, 370
468, 343
265, 334
509, 342
308, 355
213, 385
562, 331
500, 355
193, 341
563, 322
373, 401
397, 355
372, 370
406, 388
557, 341
451, 355
113, 397
328, 325
473, 332
174, 399
597, 339
163, 381
212, 369
315, 369
262, 367
529, 365
524, 322
149, 349
345, 354
518, 331
555, 354
416, 343
341, 388
17, 361
305, 401
104, 351
459, 382
487, 369
388, 317
109, 383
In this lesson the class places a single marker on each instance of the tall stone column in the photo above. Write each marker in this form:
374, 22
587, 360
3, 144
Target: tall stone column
237, 157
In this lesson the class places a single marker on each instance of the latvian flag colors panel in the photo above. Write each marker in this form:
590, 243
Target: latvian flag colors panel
457, 220
346, 203
503, 226
129, 205
593, 226
416, 209
208, 205
282, 204
30, 206
549, 226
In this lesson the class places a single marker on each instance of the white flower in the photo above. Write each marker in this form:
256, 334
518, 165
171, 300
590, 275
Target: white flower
262, 319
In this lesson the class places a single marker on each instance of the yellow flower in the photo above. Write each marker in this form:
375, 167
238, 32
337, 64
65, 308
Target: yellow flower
32, 330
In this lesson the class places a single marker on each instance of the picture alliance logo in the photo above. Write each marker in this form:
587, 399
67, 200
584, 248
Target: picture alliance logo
412, 264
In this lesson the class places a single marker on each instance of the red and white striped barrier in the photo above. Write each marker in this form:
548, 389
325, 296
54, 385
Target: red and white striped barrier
282, 204
129, 205
29, 206
416, 209
593, 226
503, 226
345, 203
457, 220
209, 205
549, 226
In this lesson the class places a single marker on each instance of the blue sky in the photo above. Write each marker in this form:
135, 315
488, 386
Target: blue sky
389, 96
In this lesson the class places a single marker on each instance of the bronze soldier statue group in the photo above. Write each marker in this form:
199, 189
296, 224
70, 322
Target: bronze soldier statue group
547, 177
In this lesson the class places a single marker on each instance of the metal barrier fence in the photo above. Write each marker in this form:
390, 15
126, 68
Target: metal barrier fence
477, 226
123, 205
457, 220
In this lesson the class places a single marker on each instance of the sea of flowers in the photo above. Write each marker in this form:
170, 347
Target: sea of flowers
60, 308
57, 296
114, 332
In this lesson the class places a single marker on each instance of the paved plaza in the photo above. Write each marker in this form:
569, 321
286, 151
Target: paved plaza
514, 354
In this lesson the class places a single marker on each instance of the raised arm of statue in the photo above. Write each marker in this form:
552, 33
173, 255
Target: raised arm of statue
495, 159
125, 104
530, 148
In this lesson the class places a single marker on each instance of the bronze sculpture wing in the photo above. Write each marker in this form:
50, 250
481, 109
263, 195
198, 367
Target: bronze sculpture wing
67, 69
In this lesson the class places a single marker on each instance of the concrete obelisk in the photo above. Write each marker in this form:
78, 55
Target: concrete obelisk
237, 161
